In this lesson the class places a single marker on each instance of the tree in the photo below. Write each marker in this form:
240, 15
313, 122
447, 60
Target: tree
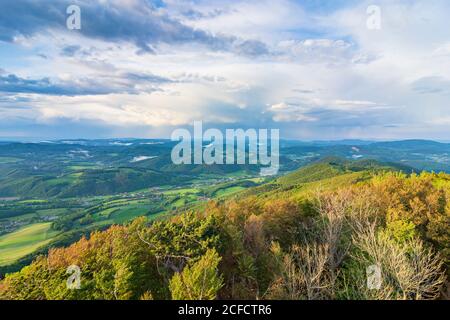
409, 270
302, 272
200, 281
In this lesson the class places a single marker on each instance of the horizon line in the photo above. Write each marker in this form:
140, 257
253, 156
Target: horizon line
44, 140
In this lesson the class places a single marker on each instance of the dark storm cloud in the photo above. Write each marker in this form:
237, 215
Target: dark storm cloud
145, 77
123, 83
142, 24
14, 84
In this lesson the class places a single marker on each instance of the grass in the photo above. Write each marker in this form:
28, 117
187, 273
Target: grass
9, 160
257, 180
181, 192
24, 241
105, 213
124, 215
40, 214
62, 180
310, 173
53, 212
228, 191
34, 201
83, 167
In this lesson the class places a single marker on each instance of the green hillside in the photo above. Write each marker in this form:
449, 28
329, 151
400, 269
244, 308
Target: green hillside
332, 167
327, 174
84, 183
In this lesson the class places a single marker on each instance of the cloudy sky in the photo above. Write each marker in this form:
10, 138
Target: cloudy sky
315, 69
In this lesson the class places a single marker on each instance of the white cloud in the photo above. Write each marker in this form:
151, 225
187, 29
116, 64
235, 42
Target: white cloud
317, 50
321, 69
283, 112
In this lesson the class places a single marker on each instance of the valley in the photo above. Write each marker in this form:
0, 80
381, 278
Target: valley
53, 193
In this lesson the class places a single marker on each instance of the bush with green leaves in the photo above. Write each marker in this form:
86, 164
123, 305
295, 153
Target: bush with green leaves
199, 281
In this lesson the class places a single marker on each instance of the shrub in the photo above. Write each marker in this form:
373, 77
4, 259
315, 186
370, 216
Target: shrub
199, 281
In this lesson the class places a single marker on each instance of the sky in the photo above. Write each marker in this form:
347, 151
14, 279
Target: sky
315, 69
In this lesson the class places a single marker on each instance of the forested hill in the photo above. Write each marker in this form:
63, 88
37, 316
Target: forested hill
308, 235
80, 168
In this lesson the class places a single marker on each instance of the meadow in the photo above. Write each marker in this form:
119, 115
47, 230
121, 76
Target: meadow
24, 241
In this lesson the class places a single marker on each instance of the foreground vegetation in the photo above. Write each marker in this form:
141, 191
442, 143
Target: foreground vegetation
293, 238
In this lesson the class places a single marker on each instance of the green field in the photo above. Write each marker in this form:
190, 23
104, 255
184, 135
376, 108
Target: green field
22, 242
228, 191
181, 192
9, 160
128, 213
